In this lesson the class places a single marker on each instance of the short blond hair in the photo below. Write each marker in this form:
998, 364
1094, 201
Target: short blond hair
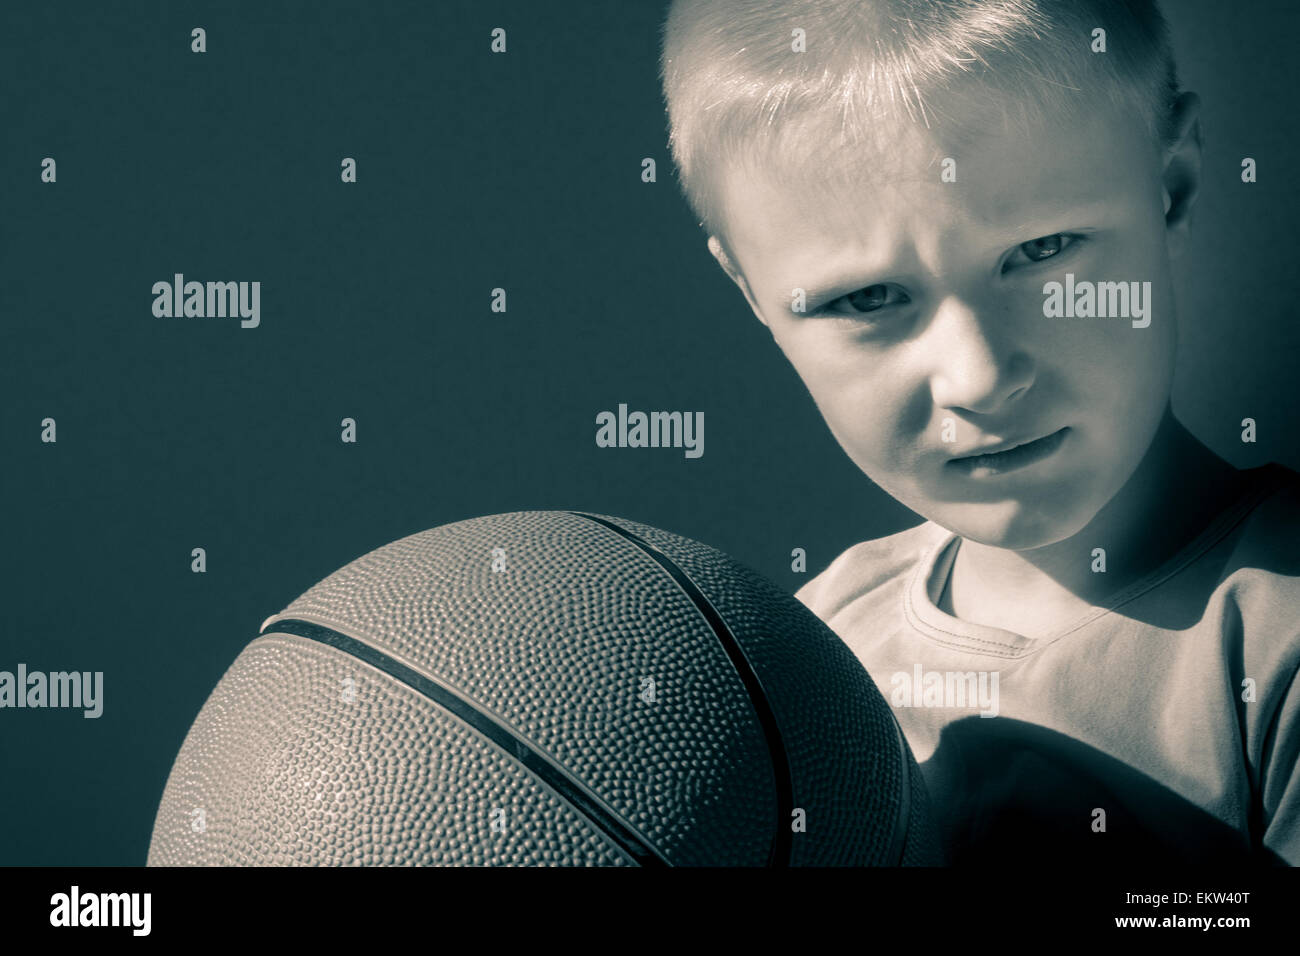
737, 93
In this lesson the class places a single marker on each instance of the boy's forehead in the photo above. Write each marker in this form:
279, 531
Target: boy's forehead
1002, 179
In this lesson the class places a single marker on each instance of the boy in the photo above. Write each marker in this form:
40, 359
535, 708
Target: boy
905, 191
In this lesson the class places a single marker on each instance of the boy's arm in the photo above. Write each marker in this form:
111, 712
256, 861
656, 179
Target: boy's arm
1281, 779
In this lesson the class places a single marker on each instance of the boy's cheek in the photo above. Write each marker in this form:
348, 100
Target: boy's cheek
887, 456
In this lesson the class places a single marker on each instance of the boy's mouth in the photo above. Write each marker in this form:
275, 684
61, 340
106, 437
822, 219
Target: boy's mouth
1011, 459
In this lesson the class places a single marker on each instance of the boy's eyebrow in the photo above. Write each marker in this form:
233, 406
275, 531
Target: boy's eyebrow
1075, 216
838, 276
1060, 218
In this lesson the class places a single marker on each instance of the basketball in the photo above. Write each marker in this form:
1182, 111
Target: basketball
545, 688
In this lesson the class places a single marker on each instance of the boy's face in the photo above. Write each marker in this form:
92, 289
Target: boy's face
925, 309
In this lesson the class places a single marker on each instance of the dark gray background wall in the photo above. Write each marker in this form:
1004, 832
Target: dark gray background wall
475, 171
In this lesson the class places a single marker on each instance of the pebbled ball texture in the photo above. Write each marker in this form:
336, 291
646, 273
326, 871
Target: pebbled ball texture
588, 650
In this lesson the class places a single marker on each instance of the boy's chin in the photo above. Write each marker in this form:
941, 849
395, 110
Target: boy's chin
1009, 525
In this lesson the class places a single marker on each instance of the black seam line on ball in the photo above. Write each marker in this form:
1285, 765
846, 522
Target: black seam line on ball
779, 855
542, 766
902, 823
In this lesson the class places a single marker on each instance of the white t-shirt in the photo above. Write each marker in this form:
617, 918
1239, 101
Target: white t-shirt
1162, 726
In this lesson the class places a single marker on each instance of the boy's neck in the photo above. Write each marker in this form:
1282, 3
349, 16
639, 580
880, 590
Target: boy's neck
1179, 486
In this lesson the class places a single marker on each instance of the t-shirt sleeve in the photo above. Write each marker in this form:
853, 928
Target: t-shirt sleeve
1281, 780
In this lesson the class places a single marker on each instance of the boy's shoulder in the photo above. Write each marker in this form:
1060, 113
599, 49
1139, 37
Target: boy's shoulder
867, 565
1268, 537
1261, 571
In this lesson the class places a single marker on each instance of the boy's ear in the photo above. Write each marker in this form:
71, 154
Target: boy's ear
729, 267
1181, 178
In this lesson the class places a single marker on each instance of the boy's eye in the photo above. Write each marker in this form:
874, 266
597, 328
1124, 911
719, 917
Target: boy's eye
1044, 247
872, 298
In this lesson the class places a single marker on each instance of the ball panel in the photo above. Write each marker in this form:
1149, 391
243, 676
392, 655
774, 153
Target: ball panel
560, 646
845, 756
291, 765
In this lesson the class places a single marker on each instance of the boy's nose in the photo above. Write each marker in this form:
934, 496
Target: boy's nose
976, 363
